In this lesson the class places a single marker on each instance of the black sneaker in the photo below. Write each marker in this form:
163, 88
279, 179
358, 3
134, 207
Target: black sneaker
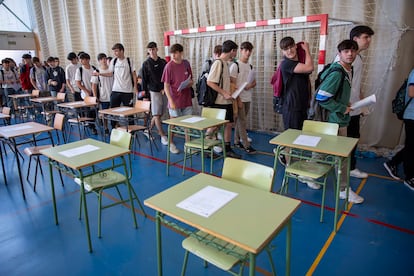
239, 145
250, 150
409, 183
231, 153
392, 170
282, 159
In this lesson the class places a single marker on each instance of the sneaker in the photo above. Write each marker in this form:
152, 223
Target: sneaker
392, 170
282, 160
219, 136
358, 174
250, 150
146, 134
352, 197
217, 149
248, 139
173, 149
164, 140
239, 145
409, 183
231, 153
309, 181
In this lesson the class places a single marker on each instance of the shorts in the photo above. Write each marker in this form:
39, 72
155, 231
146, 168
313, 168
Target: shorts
158, 103
105, 105
229, 110
181, 111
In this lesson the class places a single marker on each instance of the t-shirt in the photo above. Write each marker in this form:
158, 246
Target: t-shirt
214, 76
105, 85
86, 77
151, 74
174, 74
297, 87
70, 75
409, 111
242, 74
39, 74
122, 75
10, 75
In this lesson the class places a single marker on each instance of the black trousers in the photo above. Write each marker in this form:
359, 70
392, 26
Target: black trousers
405, 155
353, 131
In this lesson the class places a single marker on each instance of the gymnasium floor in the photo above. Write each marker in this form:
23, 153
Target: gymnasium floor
374, 238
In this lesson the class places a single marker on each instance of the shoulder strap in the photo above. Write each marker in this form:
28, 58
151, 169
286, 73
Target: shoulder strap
238, 68
130, 72
2, 73
81, 73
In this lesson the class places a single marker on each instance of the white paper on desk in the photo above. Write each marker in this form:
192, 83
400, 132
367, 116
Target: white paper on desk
239, 90
364, 102
207, 201
252, 76
18, 128
184, 84
307, 140
79, 150
122, 109
193, 120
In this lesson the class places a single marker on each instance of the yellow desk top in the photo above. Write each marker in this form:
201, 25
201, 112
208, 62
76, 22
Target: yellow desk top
23, 129
202, 124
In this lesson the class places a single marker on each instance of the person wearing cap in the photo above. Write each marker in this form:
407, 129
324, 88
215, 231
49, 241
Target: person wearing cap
55, 76
70, 72
152, 70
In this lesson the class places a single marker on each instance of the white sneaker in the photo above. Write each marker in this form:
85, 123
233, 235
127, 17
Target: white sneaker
146, 134
352, 197
309, 182
219, 136
248, 139
217, 149
173, 149
164, 140
358, 174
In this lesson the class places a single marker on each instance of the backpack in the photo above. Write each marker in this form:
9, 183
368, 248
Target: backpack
398, 103
207, 96
201, 85
278, 89
316, 111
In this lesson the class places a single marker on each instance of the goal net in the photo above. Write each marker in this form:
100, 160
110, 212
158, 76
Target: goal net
321, 33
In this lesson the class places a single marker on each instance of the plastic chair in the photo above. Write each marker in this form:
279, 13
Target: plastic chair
143, 128
311, 167
99, 182
193, 146
34, 152
224, 255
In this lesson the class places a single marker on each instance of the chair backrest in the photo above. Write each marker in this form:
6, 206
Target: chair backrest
59, 121
143, 104
61, 96
5, 110
248, 173
320, 127
213, 113
35, 93
90, 100
120, 138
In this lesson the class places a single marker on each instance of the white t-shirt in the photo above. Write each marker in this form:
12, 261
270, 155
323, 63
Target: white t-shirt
10, 76
86, 77
122, 75
242, 76
70, 72
105, 85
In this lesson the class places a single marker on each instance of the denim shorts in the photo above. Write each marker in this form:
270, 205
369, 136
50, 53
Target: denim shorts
181, 111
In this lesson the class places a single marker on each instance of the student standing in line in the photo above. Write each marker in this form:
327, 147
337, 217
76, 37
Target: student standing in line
55, 77
70, 71
336, 100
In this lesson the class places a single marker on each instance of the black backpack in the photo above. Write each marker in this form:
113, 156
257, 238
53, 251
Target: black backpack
206, 95
316, 111
201, 85
398, 103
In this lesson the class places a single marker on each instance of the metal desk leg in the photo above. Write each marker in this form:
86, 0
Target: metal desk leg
159, 246
338, 183
168, 149
16, 153
202, 152
288, 245
52, 188
252, 263
85, 209
2, 166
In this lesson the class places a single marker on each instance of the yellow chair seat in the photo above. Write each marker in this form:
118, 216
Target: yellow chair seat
102, 179
309, 169
212, 254
196, 143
